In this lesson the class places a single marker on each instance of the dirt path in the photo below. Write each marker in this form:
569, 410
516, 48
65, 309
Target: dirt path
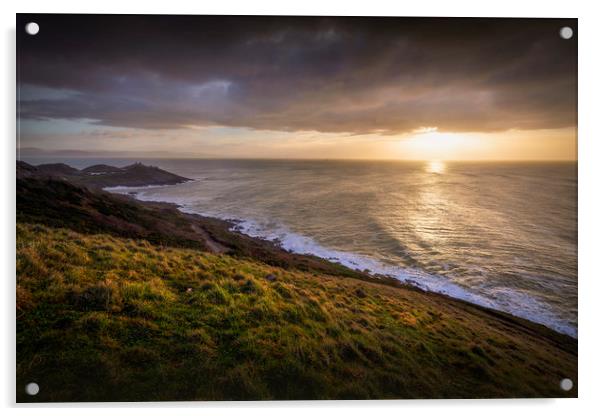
214, 246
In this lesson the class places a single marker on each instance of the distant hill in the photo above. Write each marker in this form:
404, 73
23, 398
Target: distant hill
25, 169
132, 175
57, 169
103, 176
101, 169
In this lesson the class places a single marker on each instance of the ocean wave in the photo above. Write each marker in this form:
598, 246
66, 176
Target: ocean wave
128, 189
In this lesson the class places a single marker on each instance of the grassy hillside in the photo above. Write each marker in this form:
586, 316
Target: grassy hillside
103, 317
59, 203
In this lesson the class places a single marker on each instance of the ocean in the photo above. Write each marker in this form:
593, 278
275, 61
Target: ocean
499, 234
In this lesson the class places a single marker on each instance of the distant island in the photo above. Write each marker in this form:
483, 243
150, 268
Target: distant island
141, 301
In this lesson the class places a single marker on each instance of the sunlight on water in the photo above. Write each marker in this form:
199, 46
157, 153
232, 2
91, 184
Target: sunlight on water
429, 220
435, 166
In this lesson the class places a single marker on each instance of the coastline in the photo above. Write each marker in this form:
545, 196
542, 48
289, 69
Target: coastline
127, 276
374, 269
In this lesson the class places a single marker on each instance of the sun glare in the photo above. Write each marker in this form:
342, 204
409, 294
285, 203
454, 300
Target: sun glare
435, 166
430, 144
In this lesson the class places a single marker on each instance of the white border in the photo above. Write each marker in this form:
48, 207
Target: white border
590, 207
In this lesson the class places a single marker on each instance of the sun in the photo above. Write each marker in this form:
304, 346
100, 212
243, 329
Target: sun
431, 144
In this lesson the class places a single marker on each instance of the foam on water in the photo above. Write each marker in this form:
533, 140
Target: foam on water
508, 300
127, 189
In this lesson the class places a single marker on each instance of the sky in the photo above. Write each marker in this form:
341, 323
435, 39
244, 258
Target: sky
297, 87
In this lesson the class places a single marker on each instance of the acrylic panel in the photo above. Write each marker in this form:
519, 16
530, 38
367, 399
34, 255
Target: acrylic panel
295, 208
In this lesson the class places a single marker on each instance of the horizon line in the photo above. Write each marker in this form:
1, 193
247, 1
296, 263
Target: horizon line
301, 159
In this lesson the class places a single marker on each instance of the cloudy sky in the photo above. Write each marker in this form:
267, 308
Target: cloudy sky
292, 87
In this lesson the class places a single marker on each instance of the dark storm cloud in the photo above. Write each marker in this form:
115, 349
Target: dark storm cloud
358, 75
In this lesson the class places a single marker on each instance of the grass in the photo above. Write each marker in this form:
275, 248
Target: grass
102, 317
